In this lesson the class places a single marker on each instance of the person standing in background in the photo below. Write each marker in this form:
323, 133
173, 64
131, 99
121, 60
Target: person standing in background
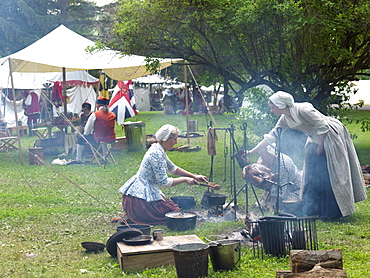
31, 109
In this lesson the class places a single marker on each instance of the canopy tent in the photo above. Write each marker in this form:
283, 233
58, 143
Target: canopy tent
7, 110
142, 98
23, 80
360, 90
147, 85
64, 49
81, 88
74, 78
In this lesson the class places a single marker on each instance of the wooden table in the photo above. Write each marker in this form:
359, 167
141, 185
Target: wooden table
157, 253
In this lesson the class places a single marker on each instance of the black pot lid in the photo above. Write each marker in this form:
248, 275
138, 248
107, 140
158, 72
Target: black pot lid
180, 215
111, 245
183, 197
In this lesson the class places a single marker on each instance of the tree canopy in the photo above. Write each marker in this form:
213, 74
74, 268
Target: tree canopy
22, 22
303, 47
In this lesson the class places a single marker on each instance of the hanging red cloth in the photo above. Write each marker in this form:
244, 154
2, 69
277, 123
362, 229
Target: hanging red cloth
57, 95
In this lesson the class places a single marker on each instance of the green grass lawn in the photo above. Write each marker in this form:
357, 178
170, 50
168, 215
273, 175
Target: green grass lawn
43, 213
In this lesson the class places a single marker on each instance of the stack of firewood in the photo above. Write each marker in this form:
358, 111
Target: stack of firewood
314, 264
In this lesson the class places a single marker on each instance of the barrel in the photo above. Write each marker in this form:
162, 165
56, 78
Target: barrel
34, 154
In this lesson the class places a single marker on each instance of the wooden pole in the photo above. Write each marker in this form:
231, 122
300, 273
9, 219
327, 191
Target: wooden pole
64, 90
186, 104
15, 113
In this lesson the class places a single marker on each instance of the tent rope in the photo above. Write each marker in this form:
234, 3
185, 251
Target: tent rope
20, 172
68, 179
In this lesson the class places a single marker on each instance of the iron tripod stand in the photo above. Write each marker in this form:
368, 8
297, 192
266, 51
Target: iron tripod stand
235, 154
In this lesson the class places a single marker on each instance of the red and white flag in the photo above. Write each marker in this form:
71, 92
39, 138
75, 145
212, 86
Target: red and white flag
122, 102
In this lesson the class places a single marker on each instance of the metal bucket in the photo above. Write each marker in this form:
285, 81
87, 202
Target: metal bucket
34, 154
193, 126
225, 254
135, 136
191, 260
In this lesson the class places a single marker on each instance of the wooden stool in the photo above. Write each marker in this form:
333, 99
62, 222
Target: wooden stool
41, 132
99, 152
8, 143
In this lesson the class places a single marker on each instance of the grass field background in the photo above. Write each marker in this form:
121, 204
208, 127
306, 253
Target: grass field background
49, 210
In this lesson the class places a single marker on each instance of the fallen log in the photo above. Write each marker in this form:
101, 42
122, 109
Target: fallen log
316, 272
305, 260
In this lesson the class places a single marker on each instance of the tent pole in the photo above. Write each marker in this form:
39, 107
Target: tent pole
15, 114
64, 91
186, 105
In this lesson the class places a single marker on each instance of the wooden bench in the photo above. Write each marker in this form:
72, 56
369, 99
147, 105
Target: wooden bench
22, 130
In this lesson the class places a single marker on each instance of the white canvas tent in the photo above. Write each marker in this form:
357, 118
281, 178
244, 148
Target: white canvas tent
81, 89
23, 81
142, 95
64, 49
360, 91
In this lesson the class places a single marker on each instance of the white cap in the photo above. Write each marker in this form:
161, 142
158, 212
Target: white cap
164, 132
282, 99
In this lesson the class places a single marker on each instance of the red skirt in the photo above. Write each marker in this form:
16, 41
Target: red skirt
140, 211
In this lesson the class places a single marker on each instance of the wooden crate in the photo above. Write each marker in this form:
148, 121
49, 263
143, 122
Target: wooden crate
120, 144
157, 253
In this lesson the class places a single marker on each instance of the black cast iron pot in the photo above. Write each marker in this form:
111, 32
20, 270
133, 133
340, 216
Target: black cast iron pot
145, 229
180, 221
215, 199
184, 202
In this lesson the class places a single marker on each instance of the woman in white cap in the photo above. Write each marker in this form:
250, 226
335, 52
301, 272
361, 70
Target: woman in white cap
332, 176
142, 200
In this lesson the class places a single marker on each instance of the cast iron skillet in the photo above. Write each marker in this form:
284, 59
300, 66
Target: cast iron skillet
138, 240
128, 233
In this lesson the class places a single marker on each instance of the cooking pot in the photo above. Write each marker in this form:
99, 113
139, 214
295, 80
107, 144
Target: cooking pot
184, 202
211, 199
180, 221
216, 199
145, 229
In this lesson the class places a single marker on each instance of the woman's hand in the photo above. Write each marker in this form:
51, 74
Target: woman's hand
190, 181
200, 178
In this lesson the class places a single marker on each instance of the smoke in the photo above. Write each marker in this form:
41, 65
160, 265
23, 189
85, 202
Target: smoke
292, 144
